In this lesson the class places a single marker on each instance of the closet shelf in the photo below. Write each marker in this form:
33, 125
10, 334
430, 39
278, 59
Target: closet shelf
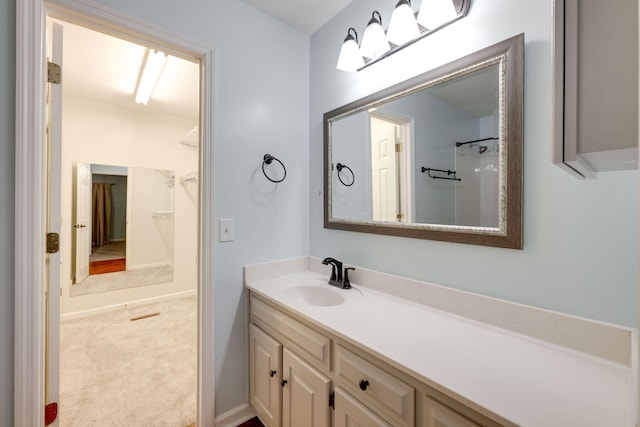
190, 177
162, 214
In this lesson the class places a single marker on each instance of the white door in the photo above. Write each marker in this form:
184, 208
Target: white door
384, 181
53, 260
82, 227
265, 364
305, 395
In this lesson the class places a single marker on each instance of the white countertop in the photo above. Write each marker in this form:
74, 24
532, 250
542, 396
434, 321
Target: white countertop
529, 382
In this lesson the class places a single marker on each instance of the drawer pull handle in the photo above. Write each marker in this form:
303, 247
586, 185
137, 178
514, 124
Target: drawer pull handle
272, 374
364, 384
283, 382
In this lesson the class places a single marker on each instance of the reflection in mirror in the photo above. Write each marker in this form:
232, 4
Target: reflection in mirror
123, 223
437, 157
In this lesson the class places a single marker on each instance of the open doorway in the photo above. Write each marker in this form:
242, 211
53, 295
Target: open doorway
391, 167
139, 321
37, 289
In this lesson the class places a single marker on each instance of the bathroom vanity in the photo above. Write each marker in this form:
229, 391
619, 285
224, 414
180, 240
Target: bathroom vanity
322, 356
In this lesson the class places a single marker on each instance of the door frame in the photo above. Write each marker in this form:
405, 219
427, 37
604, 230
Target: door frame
30, 202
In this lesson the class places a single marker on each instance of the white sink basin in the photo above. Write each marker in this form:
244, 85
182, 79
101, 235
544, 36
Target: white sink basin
321, 295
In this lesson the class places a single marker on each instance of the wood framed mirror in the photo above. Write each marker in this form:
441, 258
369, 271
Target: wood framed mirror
437, 157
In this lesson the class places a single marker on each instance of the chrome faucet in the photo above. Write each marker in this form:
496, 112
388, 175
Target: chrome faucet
337, 279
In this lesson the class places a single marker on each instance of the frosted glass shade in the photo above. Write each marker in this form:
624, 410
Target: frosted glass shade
403, 26
374, 41
434, 13
350, 58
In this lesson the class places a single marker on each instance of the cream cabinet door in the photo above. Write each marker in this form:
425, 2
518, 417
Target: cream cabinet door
265, 361
351, 413
438, 415
305, 393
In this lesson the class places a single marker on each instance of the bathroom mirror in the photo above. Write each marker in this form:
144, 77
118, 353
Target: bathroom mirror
436, 157
123, 225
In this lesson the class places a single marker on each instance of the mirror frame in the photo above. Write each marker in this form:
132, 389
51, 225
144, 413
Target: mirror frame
510, 55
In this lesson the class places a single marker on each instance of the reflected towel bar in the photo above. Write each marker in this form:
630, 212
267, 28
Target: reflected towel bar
458, 144
448, 172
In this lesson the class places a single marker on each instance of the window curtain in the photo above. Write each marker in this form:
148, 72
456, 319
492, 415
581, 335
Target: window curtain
101, 213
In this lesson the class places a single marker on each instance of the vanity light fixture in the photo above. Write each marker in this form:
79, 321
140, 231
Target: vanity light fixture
374, 41
404, 30
350, 58
403, 26
153, 65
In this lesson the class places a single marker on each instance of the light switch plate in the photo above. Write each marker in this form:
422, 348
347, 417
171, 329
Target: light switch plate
227, 231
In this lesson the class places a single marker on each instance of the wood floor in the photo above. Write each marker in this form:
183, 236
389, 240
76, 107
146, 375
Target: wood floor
108, 266
253, 422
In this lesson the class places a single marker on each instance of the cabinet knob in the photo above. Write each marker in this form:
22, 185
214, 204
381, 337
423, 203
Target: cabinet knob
283, 382
272, 374
364, 384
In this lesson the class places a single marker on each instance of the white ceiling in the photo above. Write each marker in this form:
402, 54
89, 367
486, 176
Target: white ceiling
105, 69
305, 15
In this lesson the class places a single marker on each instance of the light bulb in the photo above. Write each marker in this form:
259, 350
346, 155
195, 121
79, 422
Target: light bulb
350, 58
374, 41
434, 13
403, 26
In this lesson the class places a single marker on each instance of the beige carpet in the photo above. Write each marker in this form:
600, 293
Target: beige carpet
117, 372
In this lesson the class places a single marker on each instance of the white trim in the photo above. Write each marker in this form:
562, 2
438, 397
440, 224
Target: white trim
30, 193
150, 265
236, 416
123, 306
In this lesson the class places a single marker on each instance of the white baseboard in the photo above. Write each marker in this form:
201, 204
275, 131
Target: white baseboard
151, 265
236, 416
124, 306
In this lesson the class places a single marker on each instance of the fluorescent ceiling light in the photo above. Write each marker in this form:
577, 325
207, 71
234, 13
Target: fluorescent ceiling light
403, 26
152, 68
434, 13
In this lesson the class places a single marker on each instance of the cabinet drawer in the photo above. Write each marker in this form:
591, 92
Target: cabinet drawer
307, 342
371, 383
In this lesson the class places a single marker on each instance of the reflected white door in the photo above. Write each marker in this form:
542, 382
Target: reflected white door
384, 181
82, 226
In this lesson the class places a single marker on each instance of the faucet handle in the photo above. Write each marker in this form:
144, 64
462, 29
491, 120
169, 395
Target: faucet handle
346, 282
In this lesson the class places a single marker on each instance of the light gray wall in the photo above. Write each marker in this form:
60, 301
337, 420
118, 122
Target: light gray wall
350, 145
580, 247
7, 195
261, 104
437, 127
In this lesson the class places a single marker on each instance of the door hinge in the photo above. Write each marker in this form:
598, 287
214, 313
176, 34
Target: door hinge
400, 216
53, 243
50, 413
332, 400
54, 73
398, 147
